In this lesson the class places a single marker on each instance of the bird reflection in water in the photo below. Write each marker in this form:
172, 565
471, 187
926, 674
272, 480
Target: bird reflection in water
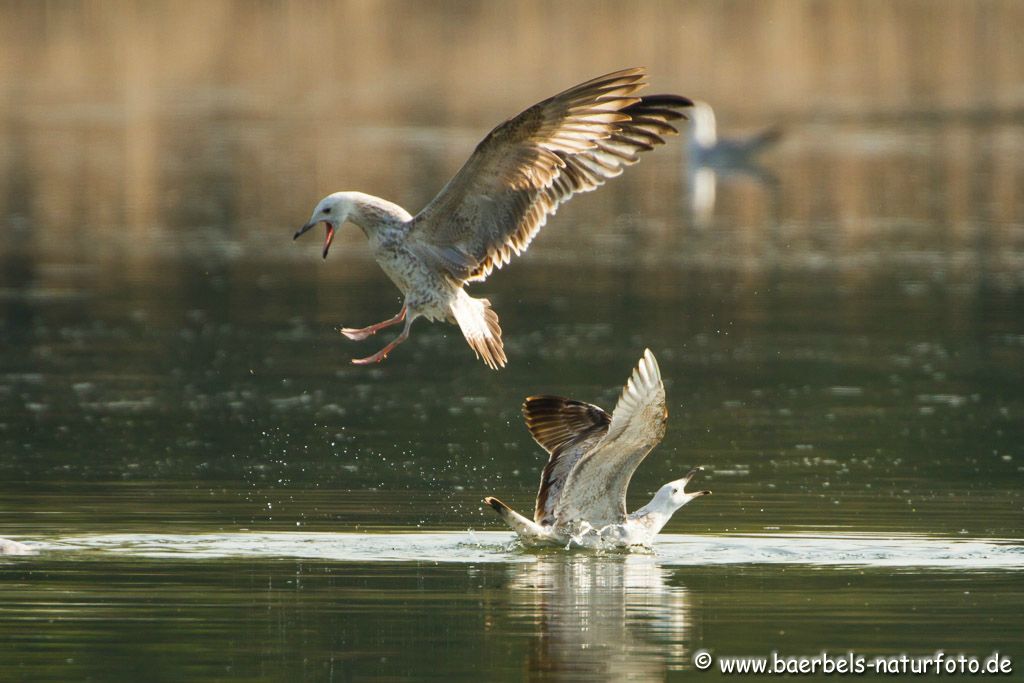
711, 159
603, 616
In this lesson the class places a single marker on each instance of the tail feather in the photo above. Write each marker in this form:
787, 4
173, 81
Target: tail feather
498, 506
528, 530
511, 517
479, 324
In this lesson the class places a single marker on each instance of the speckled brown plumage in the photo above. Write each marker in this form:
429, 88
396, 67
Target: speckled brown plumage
495, 205
566, 429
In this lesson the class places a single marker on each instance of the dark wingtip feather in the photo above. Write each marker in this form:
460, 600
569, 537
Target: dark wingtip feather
556, 422
768, 137
498, 506
667, 100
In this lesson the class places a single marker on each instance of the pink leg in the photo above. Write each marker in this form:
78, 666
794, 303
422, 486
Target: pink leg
363, 333
383, 353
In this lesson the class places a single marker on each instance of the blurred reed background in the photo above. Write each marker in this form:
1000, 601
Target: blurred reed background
123, 120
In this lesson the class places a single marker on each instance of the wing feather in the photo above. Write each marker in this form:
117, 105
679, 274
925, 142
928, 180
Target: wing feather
595, 489
566, 429
529, 165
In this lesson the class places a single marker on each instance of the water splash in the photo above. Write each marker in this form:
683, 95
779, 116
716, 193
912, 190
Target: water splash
490, 546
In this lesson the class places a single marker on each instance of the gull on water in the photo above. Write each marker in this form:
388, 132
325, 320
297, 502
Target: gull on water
710, 156
494, 206
706, 148
593, 455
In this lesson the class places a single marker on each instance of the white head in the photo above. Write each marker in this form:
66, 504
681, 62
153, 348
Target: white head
704, 130
332, 211
673, 495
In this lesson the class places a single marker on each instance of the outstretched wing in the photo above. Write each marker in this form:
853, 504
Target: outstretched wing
595, 489
566, 429
526, 167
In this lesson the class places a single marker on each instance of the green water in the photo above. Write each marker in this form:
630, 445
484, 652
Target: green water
215, 493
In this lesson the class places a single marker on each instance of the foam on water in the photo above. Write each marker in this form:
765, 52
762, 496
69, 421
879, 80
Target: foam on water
474, 547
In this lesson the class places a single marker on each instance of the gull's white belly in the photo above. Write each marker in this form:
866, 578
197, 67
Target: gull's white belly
427, 292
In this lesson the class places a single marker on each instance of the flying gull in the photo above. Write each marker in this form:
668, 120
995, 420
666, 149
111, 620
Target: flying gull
495, 205
593, 455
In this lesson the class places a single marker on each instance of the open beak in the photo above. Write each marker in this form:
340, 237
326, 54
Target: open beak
329, 238
327, 241
690, 475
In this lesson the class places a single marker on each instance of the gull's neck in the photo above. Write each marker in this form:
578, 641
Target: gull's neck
373, 214
653, 516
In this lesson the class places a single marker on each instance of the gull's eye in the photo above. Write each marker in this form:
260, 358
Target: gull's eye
675, 491
327, 210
